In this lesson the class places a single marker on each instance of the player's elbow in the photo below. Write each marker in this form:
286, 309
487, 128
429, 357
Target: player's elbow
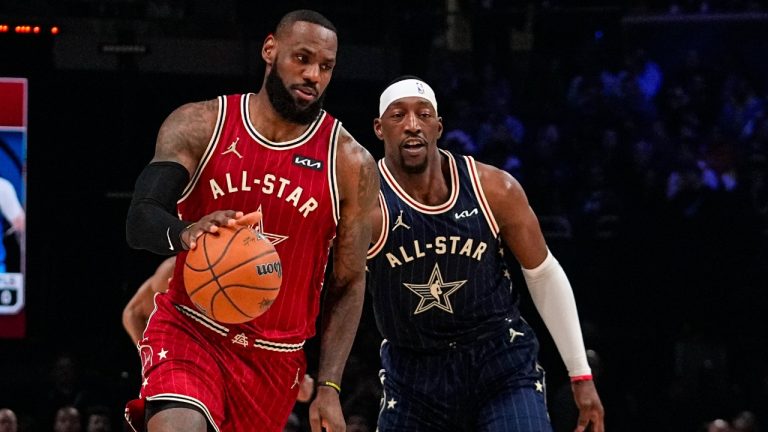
133, 321
349, 285
138, 219
133, 223
129, 317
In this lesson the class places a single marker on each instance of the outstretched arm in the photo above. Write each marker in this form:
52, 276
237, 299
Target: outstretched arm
549, 287
345, 292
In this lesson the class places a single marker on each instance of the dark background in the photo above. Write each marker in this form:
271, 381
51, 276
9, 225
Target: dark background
674, 306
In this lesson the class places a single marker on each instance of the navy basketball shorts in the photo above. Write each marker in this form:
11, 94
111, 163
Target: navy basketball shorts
492, 385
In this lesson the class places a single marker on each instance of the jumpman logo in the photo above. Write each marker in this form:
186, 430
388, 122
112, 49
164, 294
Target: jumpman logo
296, 380
233, 148
513, 334
399, 222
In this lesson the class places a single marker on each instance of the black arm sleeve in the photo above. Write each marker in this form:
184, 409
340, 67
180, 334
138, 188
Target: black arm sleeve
151, 223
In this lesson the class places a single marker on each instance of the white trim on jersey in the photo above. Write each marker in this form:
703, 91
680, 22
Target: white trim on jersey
245, 114
209, 151
202, 319
333, 185
149, 318
480, 195
277, 346
423, 208
379, 244
186, 399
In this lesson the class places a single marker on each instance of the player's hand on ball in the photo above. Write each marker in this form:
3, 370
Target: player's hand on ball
209, 223
249, 219
233, 275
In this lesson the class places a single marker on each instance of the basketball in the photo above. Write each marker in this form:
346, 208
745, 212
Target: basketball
233, 275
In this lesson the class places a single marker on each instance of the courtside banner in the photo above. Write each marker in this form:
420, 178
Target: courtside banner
13, 144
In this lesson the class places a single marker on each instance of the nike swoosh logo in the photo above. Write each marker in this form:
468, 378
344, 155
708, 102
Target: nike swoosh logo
168, 235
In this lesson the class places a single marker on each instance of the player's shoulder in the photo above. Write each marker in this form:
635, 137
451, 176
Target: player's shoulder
196, 110
350, 151
497, 184
192, 117
355, 166
187, 130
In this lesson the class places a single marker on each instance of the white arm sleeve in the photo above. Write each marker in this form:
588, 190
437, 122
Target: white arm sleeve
553, 297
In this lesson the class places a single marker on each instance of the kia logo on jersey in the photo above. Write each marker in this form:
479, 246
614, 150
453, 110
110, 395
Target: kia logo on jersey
306, 162
465, 213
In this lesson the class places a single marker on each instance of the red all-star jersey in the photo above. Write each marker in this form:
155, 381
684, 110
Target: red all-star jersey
294, 185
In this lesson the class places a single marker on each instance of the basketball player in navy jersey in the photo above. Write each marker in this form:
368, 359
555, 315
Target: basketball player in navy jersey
457, 355
279, 154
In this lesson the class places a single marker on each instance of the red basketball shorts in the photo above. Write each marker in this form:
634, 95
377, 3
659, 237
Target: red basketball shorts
239, 383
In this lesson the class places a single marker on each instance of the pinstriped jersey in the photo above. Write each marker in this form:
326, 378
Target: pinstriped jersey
437, 273
294, 185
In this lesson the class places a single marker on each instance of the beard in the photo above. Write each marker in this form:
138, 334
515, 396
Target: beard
416, 168
286, 105
411, 165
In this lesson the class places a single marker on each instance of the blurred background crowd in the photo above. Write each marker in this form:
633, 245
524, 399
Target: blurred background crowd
639, 131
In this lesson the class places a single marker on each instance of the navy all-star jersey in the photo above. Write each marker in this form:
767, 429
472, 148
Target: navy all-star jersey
437, 274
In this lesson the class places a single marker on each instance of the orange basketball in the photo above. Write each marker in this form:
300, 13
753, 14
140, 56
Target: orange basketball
234, 275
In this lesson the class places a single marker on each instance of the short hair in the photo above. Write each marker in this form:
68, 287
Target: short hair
305, 15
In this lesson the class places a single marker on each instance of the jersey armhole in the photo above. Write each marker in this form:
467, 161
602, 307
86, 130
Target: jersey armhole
477, 187
379, 243
333, 184
212, 144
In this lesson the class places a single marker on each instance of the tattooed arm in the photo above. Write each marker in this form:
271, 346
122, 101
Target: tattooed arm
152, 222
344, 294
184, 135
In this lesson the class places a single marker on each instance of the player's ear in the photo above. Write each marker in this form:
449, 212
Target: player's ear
377, 128
269, 49
439, 127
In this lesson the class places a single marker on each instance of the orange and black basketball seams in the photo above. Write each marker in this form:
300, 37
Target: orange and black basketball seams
234, 275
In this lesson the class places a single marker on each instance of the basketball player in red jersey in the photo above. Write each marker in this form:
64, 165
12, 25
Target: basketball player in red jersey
279, 153
140, 307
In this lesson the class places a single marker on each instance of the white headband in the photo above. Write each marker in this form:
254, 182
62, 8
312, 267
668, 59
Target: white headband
406, 88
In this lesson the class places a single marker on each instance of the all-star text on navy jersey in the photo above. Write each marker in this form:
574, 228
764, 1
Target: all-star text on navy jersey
467, 291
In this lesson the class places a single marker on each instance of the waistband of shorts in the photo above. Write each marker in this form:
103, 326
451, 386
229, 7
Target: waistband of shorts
497, 329
239, 338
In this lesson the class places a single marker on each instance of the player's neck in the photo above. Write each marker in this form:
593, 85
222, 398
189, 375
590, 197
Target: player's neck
269, 123
430, 187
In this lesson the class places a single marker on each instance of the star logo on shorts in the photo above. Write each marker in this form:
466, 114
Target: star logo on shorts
273, 238
435, 293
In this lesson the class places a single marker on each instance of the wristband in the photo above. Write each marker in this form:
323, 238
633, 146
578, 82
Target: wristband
578, 378
181, 236
332, 385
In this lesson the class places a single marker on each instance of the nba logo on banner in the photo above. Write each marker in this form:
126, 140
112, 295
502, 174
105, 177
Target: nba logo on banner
11, 293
